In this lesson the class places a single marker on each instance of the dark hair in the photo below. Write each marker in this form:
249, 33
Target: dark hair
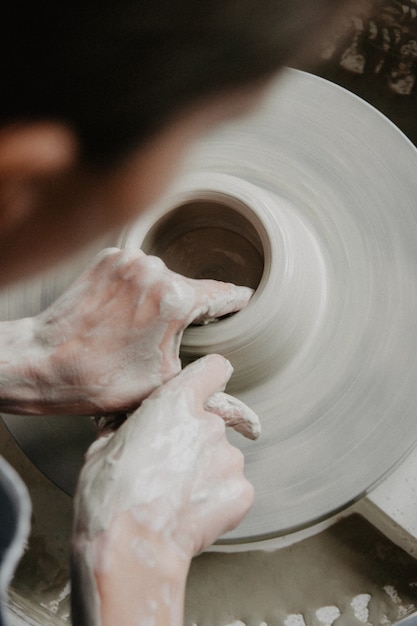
118, 71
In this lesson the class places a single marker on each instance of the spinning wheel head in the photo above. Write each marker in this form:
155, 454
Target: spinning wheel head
311, 202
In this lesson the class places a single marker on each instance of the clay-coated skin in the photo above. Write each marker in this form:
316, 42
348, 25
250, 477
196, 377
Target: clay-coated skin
153, 494
110, 340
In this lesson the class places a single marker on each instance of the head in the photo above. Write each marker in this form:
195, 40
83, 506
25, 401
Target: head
101, 99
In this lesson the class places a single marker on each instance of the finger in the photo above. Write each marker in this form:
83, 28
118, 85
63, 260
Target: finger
200, 379
235, 414
213, 299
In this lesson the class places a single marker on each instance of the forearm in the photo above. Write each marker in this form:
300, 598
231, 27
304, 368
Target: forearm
39, 376
127, 577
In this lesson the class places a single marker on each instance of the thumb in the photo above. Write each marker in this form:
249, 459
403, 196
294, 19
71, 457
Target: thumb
200, 379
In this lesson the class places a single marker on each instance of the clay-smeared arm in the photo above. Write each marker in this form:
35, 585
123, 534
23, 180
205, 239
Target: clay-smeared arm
109, 340
151, 496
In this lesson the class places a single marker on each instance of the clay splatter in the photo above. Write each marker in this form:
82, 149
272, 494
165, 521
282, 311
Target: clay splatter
327, 615
360, 607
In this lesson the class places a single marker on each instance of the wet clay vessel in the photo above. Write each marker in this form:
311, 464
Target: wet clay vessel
311, 202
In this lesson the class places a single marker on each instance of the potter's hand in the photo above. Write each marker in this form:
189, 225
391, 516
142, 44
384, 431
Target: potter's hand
109, 340
169, 464
155, 493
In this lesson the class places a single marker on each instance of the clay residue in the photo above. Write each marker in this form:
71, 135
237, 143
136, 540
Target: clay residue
350, 568
349, 575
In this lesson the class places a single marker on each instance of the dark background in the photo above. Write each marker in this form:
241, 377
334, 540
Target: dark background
374, 55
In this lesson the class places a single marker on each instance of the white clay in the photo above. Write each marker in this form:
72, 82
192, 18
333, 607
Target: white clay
295, 619
235, 414
360, 607
327, 615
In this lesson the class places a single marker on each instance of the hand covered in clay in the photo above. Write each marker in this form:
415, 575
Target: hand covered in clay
153, 494
170, 465
110, 339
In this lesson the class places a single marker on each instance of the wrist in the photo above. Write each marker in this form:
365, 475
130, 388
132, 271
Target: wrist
127, 541
136, 571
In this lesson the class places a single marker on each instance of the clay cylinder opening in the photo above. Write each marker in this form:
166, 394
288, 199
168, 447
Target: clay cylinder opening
209, 239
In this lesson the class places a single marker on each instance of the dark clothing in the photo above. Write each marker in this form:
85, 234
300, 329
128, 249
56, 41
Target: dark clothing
15, 509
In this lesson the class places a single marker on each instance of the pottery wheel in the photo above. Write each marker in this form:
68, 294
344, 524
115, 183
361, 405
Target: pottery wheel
334, 371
